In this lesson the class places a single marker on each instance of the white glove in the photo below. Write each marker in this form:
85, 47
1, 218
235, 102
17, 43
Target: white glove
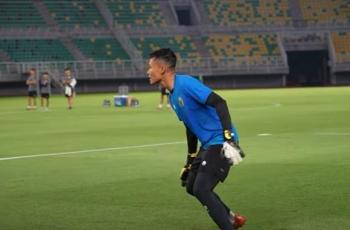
231, 153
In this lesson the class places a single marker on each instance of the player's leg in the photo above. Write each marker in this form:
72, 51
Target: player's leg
219, 199
167, 100
235, 218
210, 169
47, 101
29, 102
70, 102
34, 100
73, 97
161, 101
190, 181
189, 188
203, 191
42, 101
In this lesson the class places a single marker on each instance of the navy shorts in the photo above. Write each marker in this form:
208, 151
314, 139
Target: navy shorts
164, 91
45, 95
32, 93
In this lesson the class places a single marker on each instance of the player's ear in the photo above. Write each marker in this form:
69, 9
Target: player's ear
163, 68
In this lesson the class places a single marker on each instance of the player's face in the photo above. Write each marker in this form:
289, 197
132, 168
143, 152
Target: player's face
155, 71
32, 73
67, 73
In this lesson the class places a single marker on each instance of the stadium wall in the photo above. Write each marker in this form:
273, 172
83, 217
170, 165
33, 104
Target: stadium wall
245, 81
18, 88
341, 78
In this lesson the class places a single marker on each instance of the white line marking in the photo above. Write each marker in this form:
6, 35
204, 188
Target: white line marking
264, 134
90, 151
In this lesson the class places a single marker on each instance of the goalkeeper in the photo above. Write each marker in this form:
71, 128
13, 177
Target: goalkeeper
207, 119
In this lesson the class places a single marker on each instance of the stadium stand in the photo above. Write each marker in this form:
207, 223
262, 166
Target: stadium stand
182, 45
20, 13
250, 46
325, 11
101, 49
31, 50
136, 13
75, 13
242, 13
341, 41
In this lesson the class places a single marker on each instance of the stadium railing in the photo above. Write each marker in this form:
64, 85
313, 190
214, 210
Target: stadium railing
126, 68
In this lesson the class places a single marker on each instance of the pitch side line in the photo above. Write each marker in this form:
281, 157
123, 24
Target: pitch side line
333, 134
90, 151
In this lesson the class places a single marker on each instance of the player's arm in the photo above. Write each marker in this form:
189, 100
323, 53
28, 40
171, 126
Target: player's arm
231, 149
221, 108
31, 82
192, 142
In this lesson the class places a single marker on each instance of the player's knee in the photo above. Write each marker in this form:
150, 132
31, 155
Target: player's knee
200, 192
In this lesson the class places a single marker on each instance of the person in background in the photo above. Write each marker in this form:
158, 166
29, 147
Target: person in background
45, 89
164, 94
69, 83
32, 89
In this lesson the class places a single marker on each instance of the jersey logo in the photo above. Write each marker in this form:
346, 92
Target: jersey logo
181, 102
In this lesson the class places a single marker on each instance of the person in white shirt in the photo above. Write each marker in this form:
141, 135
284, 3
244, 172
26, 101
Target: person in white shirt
69, 83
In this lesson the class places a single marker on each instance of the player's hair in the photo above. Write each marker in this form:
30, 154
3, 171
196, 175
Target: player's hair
45, 73
166, 55
67, 68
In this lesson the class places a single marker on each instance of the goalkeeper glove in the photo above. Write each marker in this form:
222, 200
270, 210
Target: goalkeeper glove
186, 169
231, 150
184, 174
190, 158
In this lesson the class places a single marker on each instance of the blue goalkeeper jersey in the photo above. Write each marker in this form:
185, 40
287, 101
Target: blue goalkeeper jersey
188, 99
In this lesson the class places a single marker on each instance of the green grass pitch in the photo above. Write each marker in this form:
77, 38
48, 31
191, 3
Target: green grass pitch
297, 178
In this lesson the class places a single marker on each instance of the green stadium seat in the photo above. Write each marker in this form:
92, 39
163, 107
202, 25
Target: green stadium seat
19, 13
32, 50
102, 49
248, 12
325, 11
77, 13
247, 47
136, 13
182, 45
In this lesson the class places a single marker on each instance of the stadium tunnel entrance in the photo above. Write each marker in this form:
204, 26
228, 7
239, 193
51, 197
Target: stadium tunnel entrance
184, 16
308, 68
